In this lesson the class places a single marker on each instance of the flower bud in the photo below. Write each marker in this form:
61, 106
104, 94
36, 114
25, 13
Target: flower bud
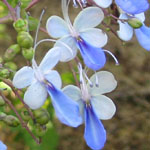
4, 73
2, 115
2, 102
40, 130
24, 39
25, 115
11, 52
28, 53
135, 23
11, 121
20, 25
11, 65
41, 115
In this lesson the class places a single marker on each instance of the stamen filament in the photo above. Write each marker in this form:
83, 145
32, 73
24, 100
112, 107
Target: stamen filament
38, 27
90, 83
113, 56
52, 40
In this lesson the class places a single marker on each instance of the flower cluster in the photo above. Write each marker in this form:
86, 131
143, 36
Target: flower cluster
86, 102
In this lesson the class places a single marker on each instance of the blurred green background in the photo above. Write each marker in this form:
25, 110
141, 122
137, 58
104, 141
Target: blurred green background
129, 129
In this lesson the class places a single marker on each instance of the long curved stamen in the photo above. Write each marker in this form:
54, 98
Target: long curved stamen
90, 83
80, 72
52, 40
65, 6
96, 80
38, 27
113, 56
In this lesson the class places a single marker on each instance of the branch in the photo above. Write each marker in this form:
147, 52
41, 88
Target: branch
5, 19
24, 125
12, 10
32, 4
74, 74
18, 95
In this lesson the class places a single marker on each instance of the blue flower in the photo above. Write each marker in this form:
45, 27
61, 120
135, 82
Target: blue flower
133, 6
126, 31
2, 146
42, 80
94, 105
81, 35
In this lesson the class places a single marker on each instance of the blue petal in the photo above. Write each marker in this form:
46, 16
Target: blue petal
143, 36
93, 57
66, 109
133, 6
2, 146
95, 134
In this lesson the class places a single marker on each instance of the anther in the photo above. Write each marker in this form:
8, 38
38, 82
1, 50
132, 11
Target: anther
75, 5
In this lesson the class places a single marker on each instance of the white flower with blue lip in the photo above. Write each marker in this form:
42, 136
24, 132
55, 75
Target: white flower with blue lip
100, 3
2, 146
81, 35
42, 80
134, 9
94, 105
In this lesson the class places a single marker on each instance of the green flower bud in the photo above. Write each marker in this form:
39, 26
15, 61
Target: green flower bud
25, 115
24, 39
20, 25
135, 23
4, 73
41, 115
11, 121
11, 65
28, 53
2, 102
2, 116
40, 130
11, 52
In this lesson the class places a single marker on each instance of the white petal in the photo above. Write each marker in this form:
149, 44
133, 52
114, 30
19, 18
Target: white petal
50, 60
57, 27
103, 3
23, 77
54, 78
73, 92
68, 48
35, 95
88, 18
125, 32
106, 83
103, 106
140, 16
96, 37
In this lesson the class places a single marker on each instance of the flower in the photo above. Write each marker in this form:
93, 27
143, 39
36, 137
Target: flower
42, 80
2, 146
100, 3
134, 9
94, 105
81, 35
133, 6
